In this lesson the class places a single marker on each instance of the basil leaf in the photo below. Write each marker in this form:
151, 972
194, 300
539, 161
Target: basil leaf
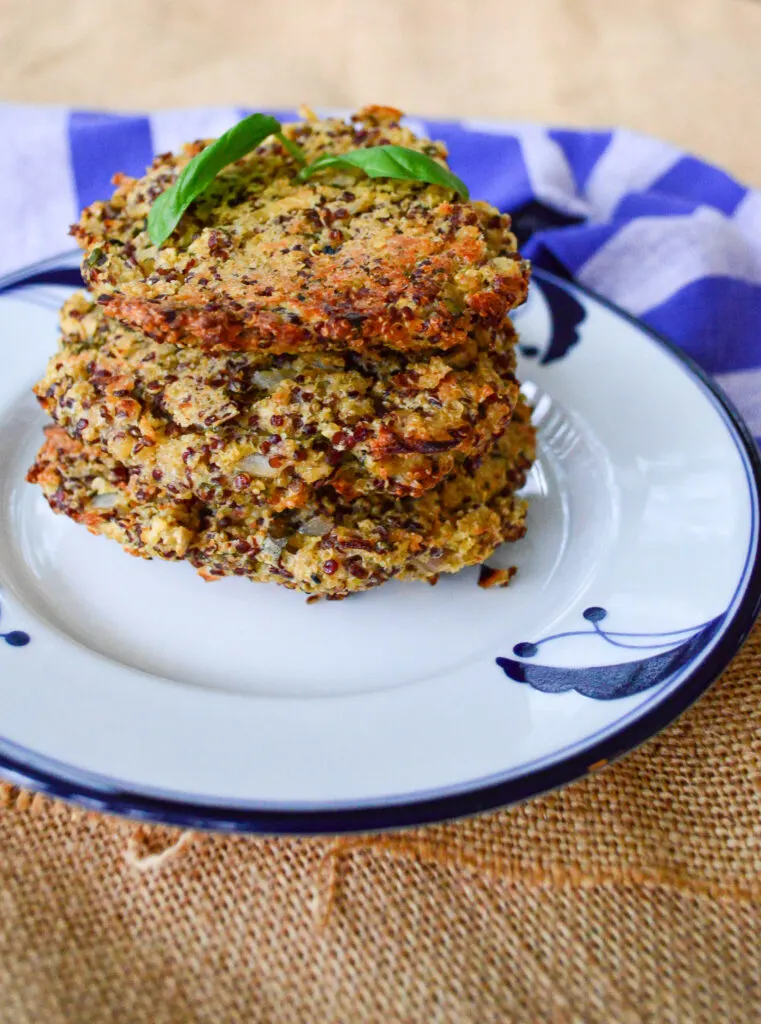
293, 148
197, 175
390, 162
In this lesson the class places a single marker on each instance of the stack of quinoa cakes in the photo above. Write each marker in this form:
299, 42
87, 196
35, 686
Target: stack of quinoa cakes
311, 383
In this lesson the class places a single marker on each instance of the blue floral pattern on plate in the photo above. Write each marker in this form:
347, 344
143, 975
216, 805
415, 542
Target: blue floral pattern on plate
16, 637
607, 682
566, 316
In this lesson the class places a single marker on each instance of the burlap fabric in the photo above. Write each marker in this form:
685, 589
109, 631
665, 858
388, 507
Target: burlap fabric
631, 896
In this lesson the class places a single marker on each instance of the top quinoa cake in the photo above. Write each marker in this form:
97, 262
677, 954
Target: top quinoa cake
262, 261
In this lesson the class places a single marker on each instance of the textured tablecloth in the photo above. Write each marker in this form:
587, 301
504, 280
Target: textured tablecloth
631, 896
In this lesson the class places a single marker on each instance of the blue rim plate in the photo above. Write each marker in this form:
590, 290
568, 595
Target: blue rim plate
134, 688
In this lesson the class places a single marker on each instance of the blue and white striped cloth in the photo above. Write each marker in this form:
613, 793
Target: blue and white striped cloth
671, 239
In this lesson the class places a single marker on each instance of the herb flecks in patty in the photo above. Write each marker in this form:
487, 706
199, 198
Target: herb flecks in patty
263, 261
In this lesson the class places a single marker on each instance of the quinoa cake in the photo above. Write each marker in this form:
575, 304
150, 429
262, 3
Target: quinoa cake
81, 482
330, 548
276, 428
262, 261
309, 383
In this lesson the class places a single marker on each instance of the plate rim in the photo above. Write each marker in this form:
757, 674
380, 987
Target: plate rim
106, 795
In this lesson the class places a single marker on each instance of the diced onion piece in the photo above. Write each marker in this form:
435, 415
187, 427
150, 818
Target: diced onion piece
317, 526
431, 565
269, 379
258, 465
104, 501
272, 548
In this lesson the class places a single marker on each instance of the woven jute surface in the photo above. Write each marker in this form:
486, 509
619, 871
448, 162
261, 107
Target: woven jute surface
631, 896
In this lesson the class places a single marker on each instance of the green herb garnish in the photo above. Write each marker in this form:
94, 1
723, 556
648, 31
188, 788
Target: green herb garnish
390, 162
197, 175
376, 162
95, 256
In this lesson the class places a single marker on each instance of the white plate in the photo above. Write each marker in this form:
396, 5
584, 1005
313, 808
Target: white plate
145, 691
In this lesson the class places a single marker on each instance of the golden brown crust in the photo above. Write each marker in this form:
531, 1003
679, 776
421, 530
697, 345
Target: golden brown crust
88, 487
489, 577
309, 383
330, 548
263, 262
213, 424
